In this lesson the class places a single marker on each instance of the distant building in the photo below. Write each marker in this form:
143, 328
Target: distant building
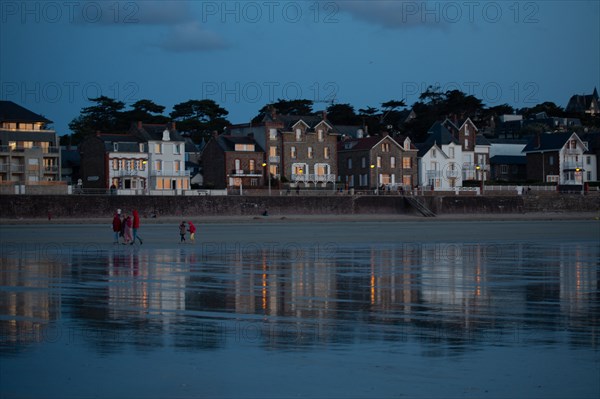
233, 162
507, 161
589, 104
556, 158
376, 161
29, 151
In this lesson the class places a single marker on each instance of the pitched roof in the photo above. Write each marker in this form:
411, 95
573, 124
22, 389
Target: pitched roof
481, 140
154, 132
547, 142
364, 144
228, 142
11, 112
581, 103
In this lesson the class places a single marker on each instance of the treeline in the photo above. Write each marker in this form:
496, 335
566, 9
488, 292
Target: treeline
199, 118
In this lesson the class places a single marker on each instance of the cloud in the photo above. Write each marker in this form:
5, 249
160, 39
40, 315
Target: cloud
190, 37
396, 14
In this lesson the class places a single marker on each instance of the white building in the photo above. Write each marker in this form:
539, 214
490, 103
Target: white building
440, 160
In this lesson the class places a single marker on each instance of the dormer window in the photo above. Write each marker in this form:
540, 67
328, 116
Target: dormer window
298, 134
320, 134
272, 134
115, 147
166, 136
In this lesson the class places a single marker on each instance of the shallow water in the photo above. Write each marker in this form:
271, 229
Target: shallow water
435, 309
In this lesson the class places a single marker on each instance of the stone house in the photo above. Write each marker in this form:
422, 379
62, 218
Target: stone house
372, 162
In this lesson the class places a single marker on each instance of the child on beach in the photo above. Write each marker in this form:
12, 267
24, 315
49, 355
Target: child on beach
192, 230
182, 231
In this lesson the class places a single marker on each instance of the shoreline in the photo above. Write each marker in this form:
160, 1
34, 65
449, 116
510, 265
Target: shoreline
293, 218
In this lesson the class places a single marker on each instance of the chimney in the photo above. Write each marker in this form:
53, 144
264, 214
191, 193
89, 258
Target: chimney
173, 127
324, 114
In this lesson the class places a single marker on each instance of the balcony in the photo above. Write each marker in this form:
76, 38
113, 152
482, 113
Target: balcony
44, 150
50, 169
274, 159
572, 151
313, 178
433, 174
572, 166
128, 172
246, 172
170, 173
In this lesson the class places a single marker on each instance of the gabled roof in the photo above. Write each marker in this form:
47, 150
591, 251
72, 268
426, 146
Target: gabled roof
581, 103
481, 140
11, 112
311, 121
424, 148
508, 160
118, 138
548, 142
228, 142
364, 144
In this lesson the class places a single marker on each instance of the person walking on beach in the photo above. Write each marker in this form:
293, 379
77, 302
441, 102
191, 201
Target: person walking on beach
127, 230
182, 230
116, 225
136, 226
192, 230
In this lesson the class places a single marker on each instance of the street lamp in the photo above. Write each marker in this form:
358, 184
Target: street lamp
264, 164
480, 172
376, 179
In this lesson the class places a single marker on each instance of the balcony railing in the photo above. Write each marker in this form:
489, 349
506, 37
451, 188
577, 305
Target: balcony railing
128, 172
573, 151
432, 174
572, 165
50, 168
45, 150
170, 173
246, 172
274, 159
311, 177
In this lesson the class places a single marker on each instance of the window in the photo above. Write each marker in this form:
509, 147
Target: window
451, 152
272, 151
177, 166
298, 134
588, 175
142, 147
237, 165
379, 162
251, 165
158, 165
466, 130
406, 162
551, 160
363, 162
310, 152
115, 147
407, 180
349, 163
326, 152
320, 135
158, 148
293, 152
393, 162
272, 134
176, 149
588, 160
504, 169
254, 182
385, 147
466, 143
433, 153
115, 164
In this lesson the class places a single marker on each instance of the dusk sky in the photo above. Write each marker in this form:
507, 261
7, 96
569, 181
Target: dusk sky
243, 55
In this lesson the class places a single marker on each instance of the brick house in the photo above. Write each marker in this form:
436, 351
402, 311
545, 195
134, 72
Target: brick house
300, 149
556, 158
371, 162
233, 162
589, 104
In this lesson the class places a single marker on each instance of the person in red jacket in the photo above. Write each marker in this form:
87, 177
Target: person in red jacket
136, 226
116, 227
192, 230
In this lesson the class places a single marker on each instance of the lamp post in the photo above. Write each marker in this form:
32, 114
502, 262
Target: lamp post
264, 164
376, 178
480, 172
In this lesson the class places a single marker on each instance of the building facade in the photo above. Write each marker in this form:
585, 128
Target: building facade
29, 151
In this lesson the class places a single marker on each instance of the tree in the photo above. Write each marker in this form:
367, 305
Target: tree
147, 111
200, 118
285, 107
105, 116
548, 107
342, 114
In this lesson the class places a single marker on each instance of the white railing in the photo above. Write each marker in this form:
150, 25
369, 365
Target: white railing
169, 173
274, 159
311, 177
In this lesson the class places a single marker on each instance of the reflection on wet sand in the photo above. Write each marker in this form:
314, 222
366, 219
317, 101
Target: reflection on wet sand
457, 295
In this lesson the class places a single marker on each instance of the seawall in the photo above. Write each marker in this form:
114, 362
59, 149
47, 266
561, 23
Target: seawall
90, 206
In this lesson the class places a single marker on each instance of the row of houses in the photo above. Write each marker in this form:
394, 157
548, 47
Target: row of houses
296, 151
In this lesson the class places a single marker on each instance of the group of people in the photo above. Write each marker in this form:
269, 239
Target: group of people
126, 227
183, 229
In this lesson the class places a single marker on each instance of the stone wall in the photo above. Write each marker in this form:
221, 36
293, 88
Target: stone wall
76, 206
